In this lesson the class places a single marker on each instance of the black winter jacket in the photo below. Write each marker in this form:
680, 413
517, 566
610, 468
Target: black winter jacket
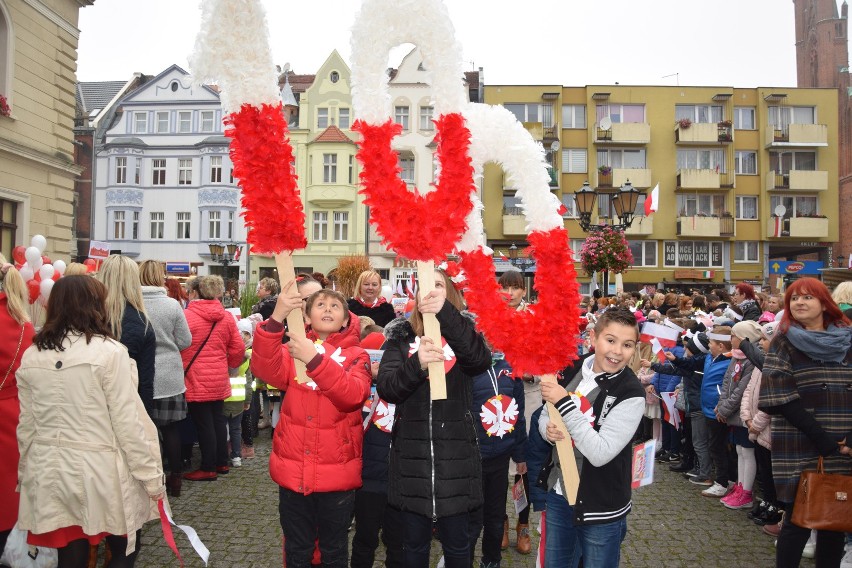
514, 442
435, 468
137, 334
751, 311
382, 314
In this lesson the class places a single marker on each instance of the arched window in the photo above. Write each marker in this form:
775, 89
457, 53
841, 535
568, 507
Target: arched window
6, 53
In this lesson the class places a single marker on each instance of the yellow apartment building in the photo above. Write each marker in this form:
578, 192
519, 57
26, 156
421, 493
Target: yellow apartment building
747, 177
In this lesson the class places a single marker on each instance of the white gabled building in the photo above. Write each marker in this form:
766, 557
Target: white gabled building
164, 187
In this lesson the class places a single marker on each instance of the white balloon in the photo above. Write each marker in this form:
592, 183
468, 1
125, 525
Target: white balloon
39, 242
45, 286
26, 272
46, 271
32, 254
387, 292
60, 266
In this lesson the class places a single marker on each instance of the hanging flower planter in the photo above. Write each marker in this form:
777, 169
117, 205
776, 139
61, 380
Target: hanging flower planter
606, 249
5, 109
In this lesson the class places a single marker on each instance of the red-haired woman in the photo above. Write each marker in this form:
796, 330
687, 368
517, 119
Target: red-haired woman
805, 387
746, 300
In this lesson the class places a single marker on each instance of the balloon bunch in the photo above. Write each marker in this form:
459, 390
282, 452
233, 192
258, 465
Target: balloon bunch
38, 272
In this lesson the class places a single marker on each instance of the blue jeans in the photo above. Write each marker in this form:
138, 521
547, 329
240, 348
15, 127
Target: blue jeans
235, 434
598, 545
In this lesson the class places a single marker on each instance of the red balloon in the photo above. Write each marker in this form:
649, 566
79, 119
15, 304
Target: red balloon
19, 254
45, 259
37, 276
18, 265
34, 289
56, 276
89, 262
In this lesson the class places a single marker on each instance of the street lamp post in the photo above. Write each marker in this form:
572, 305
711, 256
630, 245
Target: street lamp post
223, 253
521, 263
624, 201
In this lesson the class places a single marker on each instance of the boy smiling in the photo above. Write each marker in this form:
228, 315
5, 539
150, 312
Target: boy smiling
601, 413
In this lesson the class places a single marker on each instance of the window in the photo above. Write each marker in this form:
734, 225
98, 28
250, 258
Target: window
744, 118
400, 116
570, 206
795, 205
329, 168
185, 172
215, 169
214, 219
140, 122
693, 254
230, 225
746, 251
183, 225
118, 224
524, 112
8, 226
322, 118
693, 158
334, 77
699, 113
644, 252
745, 162
207, 118
134, 228
158, 172
343, 118
158, 225
407, 164
783, 162
576, 246
626, 159
574, 161
137, 175
511, 203
781, 117
121, 170
690, 205
426, 113
185, 121
341, 225
573, 116
162, 121
351, 169
746, 207
618, 113
320, 226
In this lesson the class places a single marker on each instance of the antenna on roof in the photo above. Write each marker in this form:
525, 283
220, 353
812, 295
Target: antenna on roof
677, 75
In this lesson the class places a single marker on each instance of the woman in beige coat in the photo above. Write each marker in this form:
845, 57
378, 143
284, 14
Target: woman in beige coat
90, 464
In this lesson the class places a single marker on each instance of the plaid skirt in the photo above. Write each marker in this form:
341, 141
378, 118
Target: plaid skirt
169, 409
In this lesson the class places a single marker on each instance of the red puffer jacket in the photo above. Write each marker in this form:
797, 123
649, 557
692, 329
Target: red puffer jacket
207, 379
317, 444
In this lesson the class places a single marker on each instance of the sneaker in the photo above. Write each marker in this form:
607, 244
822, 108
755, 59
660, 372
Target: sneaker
733, 495
662, 457
771, 516
810, 546
716, 490
694, 472
743, 500
701, 480
236, 462
681, 467
673, 457
847, 559
758, 510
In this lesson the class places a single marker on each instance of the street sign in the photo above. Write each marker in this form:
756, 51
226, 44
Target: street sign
177, 268
795, 267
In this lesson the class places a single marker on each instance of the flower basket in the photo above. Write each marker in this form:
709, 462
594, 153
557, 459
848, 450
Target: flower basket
604, 170
5, 109
606, 249
684, 123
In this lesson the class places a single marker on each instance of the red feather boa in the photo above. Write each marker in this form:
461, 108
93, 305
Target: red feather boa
263, 157
542, 339
417, 226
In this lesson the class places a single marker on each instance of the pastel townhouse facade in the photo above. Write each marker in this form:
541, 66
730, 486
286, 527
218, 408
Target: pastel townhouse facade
164, 187
747, 177
38, 54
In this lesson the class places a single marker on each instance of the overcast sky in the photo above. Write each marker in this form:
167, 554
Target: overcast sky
741, 43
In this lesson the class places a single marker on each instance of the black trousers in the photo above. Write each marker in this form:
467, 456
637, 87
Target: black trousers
687, 451
374, 515
488, 519
763, 457
453, 533
212, 428
792, 540
76, 553
718, 433
318, 516
524, 515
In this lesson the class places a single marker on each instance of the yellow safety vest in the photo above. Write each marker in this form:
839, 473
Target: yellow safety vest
238, 383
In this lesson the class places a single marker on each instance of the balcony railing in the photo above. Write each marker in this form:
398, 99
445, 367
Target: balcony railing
798, 227
699, 226
797, 180
694, 178
804, 135
642, 226
639, 177
624, 133
704, 133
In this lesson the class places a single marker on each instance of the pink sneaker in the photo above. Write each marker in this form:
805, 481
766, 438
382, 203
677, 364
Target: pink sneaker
743, 500
733, 495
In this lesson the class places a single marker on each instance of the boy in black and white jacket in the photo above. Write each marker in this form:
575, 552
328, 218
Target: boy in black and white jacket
601, 413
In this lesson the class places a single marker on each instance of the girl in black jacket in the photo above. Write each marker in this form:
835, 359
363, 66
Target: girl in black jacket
435, 469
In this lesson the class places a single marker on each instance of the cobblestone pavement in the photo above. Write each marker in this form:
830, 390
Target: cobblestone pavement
671, 525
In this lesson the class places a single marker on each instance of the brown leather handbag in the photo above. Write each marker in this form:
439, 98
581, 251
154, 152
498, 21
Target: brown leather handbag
823, 501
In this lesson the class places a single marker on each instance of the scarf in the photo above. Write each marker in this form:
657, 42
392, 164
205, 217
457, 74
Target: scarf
375, 304
829, 346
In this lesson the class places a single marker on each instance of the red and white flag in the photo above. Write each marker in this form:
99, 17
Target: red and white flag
411, 287
670, 413
779, 226
657, 348
652, 200
666, 336
238, 252
399, 289
503, 257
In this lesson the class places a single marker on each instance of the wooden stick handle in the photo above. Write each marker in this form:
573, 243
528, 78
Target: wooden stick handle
295, 321
432, 330
565, 451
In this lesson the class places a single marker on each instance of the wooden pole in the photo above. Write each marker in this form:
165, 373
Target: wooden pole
295, 320
432, 330
565, 451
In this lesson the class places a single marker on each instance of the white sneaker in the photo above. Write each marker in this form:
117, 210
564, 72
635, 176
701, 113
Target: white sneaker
236, 462
810, 546
847, 560
715, 490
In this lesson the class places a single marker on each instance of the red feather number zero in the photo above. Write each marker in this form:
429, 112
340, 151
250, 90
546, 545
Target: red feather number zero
263, 158
417, 226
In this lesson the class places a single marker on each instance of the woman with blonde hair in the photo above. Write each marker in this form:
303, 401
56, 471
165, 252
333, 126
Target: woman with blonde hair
128, 321
842, 294
16, 334
172, 336
76, 269
368, 300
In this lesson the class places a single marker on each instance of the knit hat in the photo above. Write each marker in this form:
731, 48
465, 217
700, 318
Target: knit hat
769, 330
766, 317
245, 326
747, 330
699, 343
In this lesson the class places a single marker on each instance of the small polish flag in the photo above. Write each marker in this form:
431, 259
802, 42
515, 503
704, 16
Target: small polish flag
399, 289
657, 348
238, 252
562, 209
665, 335
652, 200
502, 256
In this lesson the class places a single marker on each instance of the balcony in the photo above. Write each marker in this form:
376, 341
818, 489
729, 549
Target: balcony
332, 195
624, 133
514, 222
797, 135
642, 226
694, 178
799, 227
536, 130
639, 177
704, 133
797, 180
698, 226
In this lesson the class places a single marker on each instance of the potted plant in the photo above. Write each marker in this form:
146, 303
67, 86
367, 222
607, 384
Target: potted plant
726, 123
604, 170
684, 123
606, 249
5, 109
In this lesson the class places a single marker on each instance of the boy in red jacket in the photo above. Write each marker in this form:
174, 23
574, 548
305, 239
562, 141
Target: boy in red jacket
316, 452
